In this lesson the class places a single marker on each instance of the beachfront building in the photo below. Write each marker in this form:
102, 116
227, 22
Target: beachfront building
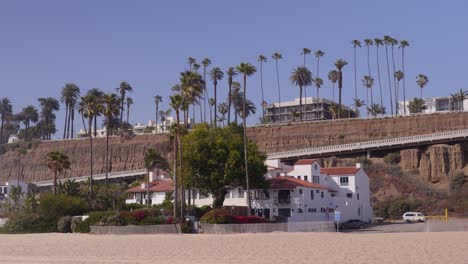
313, 109
437, 105
311, 193
5, 188
160, 183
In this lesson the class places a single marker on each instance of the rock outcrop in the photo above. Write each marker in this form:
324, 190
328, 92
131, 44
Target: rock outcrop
438, 163
410, 159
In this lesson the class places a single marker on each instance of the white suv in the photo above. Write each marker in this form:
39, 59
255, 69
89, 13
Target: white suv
413, 217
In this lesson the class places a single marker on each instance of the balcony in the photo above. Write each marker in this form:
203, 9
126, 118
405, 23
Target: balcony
283, 200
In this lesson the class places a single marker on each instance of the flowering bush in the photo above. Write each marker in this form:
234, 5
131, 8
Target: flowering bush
216, 216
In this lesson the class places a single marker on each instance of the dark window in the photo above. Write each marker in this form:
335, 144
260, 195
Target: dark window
357, 196
300, 191
344, 181
311, 194
323, 210
317, 191
285, 212
312, 210
300, 210
349, 195
321, 194
299, 177
333, 195
316, 179
305, 178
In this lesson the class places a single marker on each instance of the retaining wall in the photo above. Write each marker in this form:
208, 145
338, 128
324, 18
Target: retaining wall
268, 227
134, 229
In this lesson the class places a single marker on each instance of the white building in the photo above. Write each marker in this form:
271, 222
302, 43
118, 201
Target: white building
5, 188
159, 185
436, 105
13, 138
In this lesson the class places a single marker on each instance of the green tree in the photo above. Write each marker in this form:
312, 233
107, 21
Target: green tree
190, 62
422, 81
47, 123
28, 115
153, 161
223, 109
277, 56
302, 77
388, 41
96, 95
69, 95
129, 102
356, 43
6, 110
176, 102
123, 89
358, 103
333, 77
191, 89
304, 53
318, 54
399, 75
247, 69
56, 162
216, 75
368, 83
110, 109
339, 64
262, 59
215, 165
379, 42
231, 72
457, 99
376, 109
206, 62
417, 105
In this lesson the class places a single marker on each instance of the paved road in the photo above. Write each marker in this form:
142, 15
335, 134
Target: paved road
431, 226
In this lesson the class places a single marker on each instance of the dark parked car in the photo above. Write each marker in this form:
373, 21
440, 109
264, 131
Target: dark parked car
353, 224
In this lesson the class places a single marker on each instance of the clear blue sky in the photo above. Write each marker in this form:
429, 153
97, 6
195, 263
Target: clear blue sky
45, 44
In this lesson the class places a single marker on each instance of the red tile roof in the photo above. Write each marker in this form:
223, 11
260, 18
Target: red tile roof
340, 171
285, 182
155, 186
304, 162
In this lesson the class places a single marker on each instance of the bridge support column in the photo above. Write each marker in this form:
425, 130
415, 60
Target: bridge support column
368, 154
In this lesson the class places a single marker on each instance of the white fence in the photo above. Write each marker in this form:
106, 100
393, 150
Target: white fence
316, 226
369, 145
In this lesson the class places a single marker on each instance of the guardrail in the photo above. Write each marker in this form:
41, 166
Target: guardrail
112, 175
370, 144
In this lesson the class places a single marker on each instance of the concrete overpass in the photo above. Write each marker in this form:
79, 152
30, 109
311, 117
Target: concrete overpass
369, 146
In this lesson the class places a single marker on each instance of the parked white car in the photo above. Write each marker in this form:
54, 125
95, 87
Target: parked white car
413, 217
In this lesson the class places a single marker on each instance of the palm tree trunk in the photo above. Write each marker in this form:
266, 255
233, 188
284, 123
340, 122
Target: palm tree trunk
340, 85
182, 195
380, 82
249, 206
84, 123
72, 122
157, 117
395, 83
54, 191
367, 100
90, 120
107, 158
175, 194
279, 90
148, 203
261, 85
300, 102
205, 94
230, 96
65, 124
128, 113
404, 86
355, 76
389, 81
122, 97
1, 130
215, 106
95, 126
333, 92
68, 120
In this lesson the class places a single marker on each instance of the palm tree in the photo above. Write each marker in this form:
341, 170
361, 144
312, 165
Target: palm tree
211, 103
123, 89
190, 62
96, 95
403, 45
387, 41
236, 99
318, 83
69, 95
368, 83
164, 114
394, 42
368, 42
302, 77
223, 109
157, 100
48, 106
358, 103
57, 162
277, 56
318, 54
216, 75
196, 66
28, 115
399, 75
458, 98
339, 64
153, 161
422, 81
248, 69
206, 62
250, 107
129, 103
261, 59
417, 105
379, 42
333, 77
191, 88
110, 110
231, 72
376, 109
356, 43
6, 110
176, 102
305, 52
91, 108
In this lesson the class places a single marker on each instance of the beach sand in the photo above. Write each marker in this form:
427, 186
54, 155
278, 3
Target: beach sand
440, 247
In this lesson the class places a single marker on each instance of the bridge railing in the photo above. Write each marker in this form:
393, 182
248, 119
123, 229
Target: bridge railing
371, 144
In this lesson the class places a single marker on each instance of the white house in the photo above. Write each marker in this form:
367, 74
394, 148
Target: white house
13, 138
159, 184
436, 105
5, 188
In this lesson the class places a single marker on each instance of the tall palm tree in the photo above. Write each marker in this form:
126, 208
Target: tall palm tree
318, 82
394, 42
387, 41
261, 59
302, 77
163, 115
376, 109
123, 89
250, 107
356, 43
403, 45
379, 42
231, 72
28, 115
56, 162
277, 56
48, 106
358, 103
129, 103
399, 75
223, 109
333, 77
153, 161
157, 100
318, 54
91, 108
216, 75
339, 64
69, 95
190, 62
196, 66
176, 102
110, 110
368, 83
6, 110
368, 42
96, 95
422, 81
191, 87
206, 62
305, 52
236, 99
246, 69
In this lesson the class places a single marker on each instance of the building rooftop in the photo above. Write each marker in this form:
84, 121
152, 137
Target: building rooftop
154, 186
340, 171
286, 182
304, 162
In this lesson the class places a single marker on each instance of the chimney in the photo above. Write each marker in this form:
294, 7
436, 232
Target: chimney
358, 165
151, 176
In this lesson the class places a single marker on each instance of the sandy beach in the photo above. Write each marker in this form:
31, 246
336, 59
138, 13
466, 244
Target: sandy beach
440, 247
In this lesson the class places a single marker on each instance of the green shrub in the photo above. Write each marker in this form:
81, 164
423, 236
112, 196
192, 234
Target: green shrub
392, 158
29, 223
216, 216
133, 206
93, 218
56, 206
457, 181
113, 220
64, 224
75, 222
153, 220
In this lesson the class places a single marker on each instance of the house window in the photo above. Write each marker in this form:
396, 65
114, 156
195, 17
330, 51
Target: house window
317, 191
261, 195
315, 166
333, 195
305, 178
323, 210
300, 191
344, 181
241, 192
349, 195
311, 194
357, 196
331, 210
299, 177
300, 210
316, 179
321, 194
312, 210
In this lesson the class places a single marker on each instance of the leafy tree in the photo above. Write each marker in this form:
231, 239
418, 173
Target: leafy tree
302, 77
392, 158
153, 160
110, 109
56, 162
214, 161
69, 187
339, 64
6, 110
417, 105
47, 117
216, 75
69, 95
28, 115
124, 87
231, 72
457, 99
376, 109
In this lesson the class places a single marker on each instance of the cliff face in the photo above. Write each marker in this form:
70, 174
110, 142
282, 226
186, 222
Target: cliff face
436, 163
